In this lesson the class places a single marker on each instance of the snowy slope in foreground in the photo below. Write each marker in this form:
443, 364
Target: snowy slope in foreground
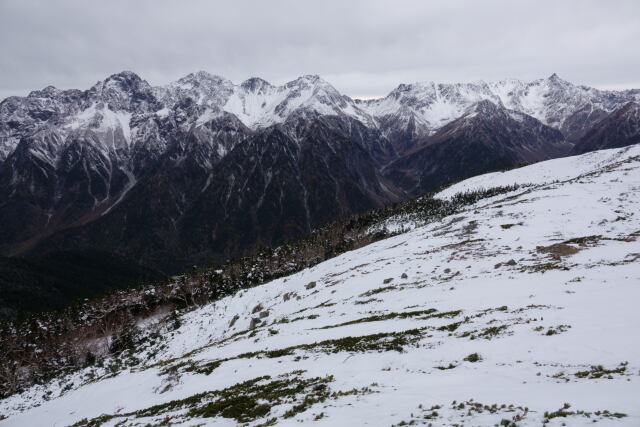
542, 284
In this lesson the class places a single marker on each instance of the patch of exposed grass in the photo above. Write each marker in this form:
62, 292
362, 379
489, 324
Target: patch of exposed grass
297, 319
462, 413
541, 268
204, 368
473, 358
492, 331
599, 371
450, 327
378, 291
422, 314
463, 243
555, 330
244, 402
444, 368
583, 240
389, 341
508, 226
564, 412
366, 301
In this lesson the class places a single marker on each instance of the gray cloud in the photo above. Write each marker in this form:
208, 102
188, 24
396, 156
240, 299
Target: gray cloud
363, 47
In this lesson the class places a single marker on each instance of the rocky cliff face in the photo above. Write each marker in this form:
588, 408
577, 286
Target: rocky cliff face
618, 129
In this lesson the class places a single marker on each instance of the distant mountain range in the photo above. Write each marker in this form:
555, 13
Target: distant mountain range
202, 169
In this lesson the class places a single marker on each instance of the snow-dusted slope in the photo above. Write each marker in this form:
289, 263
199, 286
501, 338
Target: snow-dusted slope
521, 308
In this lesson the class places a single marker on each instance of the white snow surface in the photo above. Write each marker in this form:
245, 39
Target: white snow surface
586, 296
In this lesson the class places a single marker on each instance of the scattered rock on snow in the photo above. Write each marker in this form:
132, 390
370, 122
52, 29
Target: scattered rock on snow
234, 320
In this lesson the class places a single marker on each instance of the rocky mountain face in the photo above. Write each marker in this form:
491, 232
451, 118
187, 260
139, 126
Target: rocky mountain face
618, 129
487, 137
203, 169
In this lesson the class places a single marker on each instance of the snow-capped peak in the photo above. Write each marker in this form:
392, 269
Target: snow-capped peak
256, 102
256, 84
124, 91
47, 92
201, 78
556, 80
123, 81
485, 107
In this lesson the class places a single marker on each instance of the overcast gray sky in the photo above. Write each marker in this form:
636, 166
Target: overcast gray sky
363, 47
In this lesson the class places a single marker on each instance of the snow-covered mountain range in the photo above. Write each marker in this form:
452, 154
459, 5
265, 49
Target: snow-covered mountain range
140, 170
553, 101
518, 310
112, 103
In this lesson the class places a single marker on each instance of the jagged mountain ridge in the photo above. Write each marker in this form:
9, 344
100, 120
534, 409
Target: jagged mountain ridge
122, 165
553, 101
257, 103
